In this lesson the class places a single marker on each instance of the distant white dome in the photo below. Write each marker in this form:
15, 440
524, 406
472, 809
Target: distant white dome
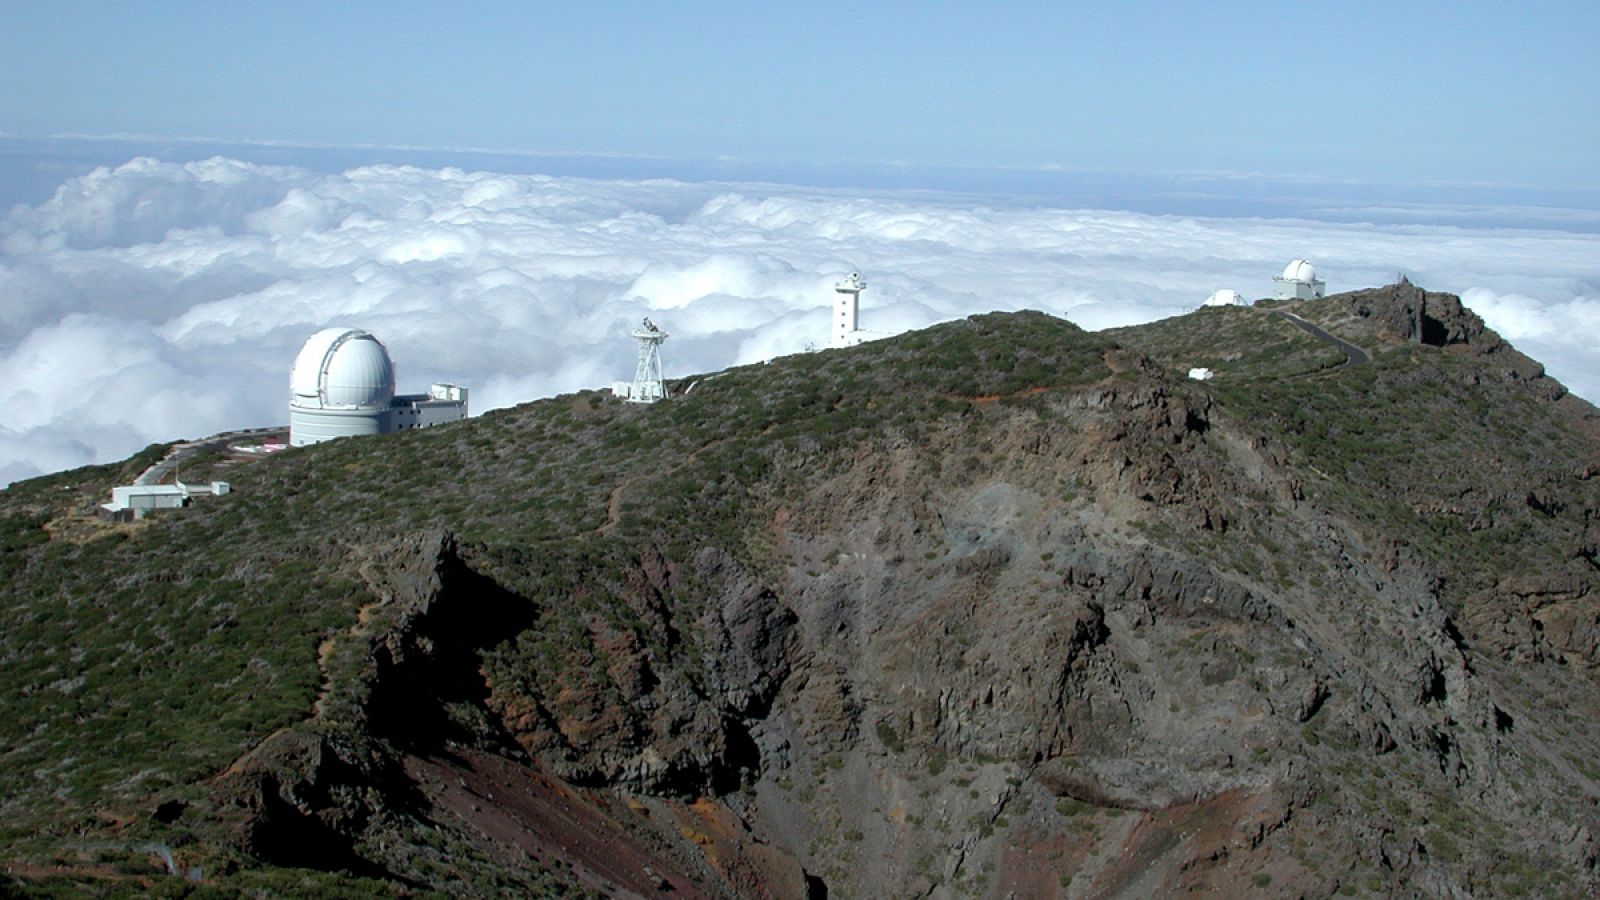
342, 368
1226, 297
1301, 271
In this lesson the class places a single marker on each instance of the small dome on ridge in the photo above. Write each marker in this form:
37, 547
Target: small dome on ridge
1301, 271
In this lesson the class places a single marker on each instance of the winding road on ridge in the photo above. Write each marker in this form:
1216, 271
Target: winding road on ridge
1354, 356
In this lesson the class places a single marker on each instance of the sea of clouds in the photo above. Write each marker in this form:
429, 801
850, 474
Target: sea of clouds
154, 301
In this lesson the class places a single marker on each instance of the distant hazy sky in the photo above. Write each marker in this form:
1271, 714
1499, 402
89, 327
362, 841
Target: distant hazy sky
1403, 92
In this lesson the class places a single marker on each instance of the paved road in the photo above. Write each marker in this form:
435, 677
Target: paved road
1354, 356
188, 449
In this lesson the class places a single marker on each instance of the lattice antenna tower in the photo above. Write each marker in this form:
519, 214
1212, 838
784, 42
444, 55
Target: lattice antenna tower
648, 383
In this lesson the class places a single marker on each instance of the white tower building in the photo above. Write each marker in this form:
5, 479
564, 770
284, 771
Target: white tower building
648, 383
847, 311
342, 385
1299, 281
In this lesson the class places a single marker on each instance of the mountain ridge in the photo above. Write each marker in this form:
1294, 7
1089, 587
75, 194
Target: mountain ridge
998, 606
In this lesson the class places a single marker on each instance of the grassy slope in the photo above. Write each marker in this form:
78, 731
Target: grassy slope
1423, 447
138, 660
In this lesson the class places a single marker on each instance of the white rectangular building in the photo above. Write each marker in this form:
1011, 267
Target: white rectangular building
135, 501
442, 403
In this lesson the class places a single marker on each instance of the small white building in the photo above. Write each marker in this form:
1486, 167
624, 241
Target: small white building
135, 501
342, 385
1225, 298
1299, 281
442, 403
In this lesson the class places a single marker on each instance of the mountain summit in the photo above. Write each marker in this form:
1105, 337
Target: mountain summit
997, 608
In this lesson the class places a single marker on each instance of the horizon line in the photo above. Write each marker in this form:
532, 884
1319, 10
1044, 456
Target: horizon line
892, 165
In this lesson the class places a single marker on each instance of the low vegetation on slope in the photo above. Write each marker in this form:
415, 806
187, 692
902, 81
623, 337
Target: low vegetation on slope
906, 615
142, 659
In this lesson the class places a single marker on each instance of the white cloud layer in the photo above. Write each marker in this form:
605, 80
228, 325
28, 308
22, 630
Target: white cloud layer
156, 301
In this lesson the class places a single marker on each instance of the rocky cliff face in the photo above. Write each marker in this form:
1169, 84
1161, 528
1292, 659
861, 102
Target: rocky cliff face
1069, 626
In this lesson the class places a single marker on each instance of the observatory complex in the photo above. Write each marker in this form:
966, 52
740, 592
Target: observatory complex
342, 385
1299, 281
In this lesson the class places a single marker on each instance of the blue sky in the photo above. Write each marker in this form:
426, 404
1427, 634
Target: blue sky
1423, 93
501, 190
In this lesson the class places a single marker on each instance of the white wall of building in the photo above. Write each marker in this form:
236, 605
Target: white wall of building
847, 311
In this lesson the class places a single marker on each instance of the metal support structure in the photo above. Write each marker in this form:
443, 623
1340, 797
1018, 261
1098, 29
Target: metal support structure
649, 385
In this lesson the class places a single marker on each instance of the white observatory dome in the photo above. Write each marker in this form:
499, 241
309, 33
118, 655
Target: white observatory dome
1299, 270
342, 368
1225, 298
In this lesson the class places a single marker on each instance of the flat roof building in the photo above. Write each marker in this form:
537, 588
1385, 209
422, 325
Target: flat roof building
135, 501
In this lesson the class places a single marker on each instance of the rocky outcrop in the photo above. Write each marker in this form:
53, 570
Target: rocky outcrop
305, 795
1406, 312
1411, 314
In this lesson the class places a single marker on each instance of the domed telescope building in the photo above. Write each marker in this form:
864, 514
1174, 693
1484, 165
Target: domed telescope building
342, 385
1225, 297
1299, 281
